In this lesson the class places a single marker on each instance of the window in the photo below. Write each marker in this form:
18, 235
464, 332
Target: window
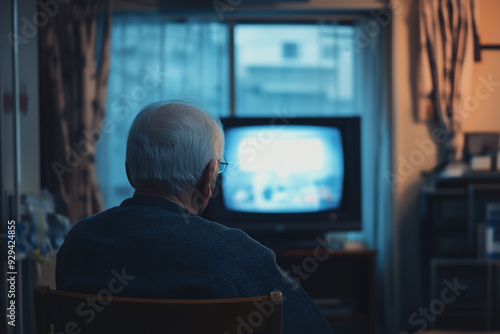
271, 73
292, 69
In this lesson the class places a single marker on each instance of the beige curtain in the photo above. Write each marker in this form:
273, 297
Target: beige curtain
446, 59
74, 64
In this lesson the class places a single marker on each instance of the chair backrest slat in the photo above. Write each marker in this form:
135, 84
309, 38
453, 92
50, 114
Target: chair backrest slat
75, 312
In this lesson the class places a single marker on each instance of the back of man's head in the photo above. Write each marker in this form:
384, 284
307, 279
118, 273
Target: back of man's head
170, 144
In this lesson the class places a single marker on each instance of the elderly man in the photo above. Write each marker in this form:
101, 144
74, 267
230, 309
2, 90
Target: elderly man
155, 246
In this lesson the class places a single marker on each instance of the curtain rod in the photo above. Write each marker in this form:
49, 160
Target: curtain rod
480, 47
351, 11
275, 17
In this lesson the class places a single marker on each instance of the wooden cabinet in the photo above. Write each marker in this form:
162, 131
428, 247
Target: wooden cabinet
453, 210
341, 282
465, 294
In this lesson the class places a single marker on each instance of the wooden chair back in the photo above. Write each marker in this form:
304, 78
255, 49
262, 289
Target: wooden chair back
72, 312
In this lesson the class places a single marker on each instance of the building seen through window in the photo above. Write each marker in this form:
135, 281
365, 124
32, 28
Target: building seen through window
287, 69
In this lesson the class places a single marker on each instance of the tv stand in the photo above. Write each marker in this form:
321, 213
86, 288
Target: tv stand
341, 282
287, 241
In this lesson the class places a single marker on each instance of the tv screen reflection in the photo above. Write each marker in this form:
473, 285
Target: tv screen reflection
287, 169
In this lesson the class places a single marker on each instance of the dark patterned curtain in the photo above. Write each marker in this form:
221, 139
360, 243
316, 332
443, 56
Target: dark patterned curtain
446, 60
74, 64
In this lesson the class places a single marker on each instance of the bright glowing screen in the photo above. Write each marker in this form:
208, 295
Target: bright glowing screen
283, 169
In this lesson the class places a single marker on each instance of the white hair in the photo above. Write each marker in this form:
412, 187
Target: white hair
170, 144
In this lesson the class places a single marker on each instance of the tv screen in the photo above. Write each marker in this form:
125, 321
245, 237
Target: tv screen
297, 176
299, 168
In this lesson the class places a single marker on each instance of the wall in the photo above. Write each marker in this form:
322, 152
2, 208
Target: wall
408, 133
28, 139
30, 124
27, 55
487, 116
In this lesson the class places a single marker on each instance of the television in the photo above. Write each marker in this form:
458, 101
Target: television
289, 177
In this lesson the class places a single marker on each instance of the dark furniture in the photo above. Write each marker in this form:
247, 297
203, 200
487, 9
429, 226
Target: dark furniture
452, 211
465, 294
104, 314
341, 282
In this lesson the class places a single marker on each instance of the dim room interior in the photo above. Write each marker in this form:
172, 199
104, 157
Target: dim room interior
364, 130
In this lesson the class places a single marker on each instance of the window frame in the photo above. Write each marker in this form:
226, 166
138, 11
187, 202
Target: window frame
254, 16
296, 20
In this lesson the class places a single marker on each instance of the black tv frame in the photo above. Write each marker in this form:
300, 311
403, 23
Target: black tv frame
347, 217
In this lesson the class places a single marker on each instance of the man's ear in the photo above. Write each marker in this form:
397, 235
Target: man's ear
128, 173
206, 185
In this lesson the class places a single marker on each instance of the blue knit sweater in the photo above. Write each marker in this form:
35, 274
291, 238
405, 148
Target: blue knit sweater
150, 247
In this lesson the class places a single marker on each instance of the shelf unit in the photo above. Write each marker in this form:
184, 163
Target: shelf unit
474, 303
452, 212
342, 282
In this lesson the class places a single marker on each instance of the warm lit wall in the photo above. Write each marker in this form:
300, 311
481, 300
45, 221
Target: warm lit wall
407, 133
406, 153
487, 115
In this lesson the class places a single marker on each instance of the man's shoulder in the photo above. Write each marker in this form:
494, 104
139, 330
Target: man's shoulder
231, 236
138, 214
135, 210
